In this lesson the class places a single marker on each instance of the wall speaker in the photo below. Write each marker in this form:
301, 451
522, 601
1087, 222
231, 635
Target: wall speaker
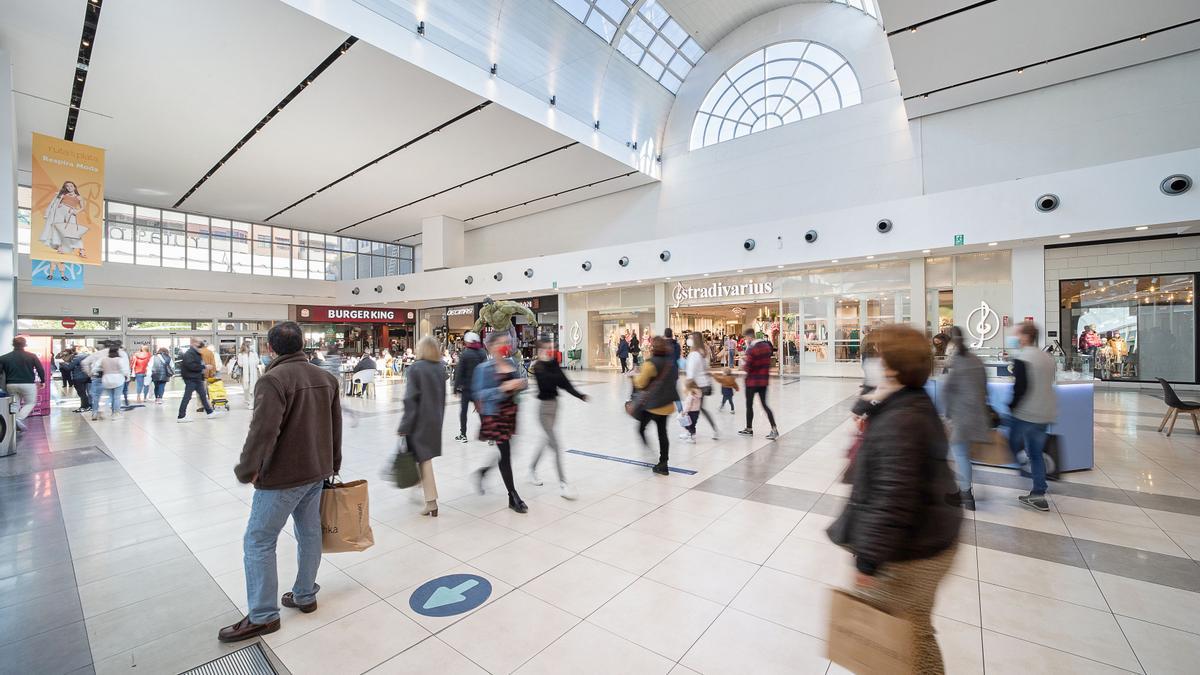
379, 289
748, 244
664, 256
529, 273
1176, 184
498, 276
355, 291
883, 226
587, 265
469, 280
400, 287
1046, 203
624, 261
810, 236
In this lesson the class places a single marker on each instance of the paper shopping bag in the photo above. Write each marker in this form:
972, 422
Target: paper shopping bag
345, 519
994, 451
866, 640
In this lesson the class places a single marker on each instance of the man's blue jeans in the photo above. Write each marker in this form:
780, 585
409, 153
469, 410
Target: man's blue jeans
268, 514
1032, 437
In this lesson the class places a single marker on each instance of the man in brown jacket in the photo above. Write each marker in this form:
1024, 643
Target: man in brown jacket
294, 444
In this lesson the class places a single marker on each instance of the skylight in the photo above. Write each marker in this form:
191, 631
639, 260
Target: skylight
602, 16
660, 46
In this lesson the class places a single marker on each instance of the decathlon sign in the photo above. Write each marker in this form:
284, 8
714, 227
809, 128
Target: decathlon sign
719, 290
319, 314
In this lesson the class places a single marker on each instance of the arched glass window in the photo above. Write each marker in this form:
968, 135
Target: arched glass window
776, 85
865, 6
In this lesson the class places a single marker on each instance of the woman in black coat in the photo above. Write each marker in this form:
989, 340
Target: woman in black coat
903, 517
424, 409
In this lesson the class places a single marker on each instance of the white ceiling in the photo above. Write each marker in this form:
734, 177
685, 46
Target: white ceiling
710, 20
952, 51
168, 102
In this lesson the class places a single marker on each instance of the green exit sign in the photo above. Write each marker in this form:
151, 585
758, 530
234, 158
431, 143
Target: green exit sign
960, 239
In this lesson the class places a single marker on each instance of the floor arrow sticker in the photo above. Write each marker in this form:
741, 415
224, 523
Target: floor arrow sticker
450, 595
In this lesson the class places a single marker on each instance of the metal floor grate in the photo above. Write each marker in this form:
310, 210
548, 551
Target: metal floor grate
247, 661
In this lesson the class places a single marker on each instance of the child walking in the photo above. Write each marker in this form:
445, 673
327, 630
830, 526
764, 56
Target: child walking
691, 413
728, 385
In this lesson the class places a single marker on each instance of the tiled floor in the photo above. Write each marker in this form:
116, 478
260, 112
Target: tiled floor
120, 551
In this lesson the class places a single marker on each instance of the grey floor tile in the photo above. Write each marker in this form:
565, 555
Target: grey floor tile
129, 558
1166, 570
33, 549
830, 505
730, 487
39, 615
35, 584
128, 627
61, 650
120, 520
134, 586
1029, 543
779, 495
1190, 507
175, 653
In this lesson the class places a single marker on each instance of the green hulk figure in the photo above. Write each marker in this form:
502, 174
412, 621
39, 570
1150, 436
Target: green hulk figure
498, 314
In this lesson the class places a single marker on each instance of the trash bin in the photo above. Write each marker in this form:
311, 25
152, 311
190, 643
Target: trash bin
8, 425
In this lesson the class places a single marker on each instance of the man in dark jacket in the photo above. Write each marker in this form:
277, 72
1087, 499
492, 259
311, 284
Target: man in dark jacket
757, 364
80, 379
293, 445
623, 354
19, 368
192, 370
471, 356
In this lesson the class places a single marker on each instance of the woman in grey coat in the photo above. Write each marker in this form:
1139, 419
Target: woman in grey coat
424, 409
965, 394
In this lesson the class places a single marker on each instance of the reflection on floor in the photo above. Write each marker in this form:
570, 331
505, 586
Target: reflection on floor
120, 550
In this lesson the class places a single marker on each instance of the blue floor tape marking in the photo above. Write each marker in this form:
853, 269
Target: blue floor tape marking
626, 460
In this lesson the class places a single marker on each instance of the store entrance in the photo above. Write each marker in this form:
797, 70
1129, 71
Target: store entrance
721, 323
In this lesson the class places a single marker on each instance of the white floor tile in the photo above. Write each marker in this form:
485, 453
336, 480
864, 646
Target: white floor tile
521, 560
738, 643
355, 643
1005, 655
657, 617
588, 649
1132, 536
429, 656
1161, 649
1151, 602
632, 551
580, 585
508, 632
1040, 577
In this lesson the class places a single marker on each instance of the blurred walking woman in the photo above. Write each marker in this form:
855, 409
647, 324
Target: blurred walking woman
495, 386
965, 392
657, 382
424, 409
902, 520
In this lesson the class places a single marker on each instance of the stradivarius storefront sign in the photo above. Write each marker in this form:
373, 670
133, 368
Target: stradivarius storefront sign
719, 290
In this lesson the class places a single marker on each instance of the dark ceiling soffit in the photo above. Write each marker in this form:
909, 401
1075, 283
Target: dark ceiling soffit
939, 17
550, 196
382, 157
91, 20
462, 184
275, 110
1106, 45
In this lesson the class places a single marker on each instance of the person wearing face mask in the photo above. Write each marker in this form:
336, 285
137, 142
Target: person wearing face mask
1034, 407
965, 394
495, 386
550, 378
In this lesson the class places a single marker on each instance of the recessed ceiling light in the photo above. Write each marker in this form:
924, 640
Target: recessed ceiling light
926, 250
608, 283
706, 274
993, 243
740, 271
639, 281
1064, 236
1141, 228
870, 257
779, 267
668, 278
834, 260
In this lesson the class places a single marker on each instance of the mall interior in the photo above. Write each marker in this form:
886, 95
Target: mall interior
799, 191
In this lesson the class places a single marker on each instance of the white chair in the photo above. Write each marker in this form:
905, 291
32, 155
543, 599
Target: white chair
364, 381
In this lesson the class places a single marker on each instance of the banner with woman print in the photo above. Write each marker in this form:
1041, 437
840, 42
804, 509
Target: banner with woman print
68, 201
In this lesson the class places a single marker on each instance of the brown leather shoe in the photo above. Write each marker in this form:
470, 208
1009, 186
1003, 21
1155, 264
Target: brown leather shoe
288, 600
244, 630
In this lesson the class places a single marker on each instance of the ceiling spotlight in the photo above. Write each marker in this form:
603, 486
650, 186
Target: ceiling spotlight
779, 267
834, 260
993, 243
420, 28
1142, 38
1020, 70
553, 100
926, 250
1142, 228
913, 29
596, 125
1064, 236
925, 96
493, 69
740, 271
86, 43
870, 257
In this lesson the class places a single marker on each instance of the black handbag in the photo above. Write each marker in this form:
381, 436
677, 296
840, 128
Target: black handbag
405, 471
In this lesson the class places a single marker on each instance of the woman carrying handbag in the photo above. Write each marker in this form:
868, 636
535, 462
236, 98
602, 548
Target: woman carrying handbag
424, 409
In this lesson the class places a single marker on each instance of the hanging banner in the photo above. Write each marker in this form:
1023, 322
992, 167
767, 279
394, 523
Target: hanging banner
52, 274
68, 201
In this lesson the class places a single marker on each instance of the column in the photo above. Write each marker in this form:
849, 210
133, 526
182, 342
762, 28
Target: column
442, 243
8, 205
916, 293
1029, 286
662, 312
